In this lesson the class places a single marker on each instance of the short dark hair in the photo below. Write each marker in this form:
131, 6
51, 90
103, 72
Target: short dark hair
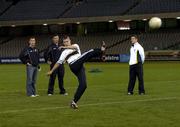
134, 36
65, 37
32, 38
54, 35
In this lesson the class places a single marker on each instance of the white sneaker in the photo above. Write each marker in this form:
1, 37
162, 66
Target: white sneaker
65, 94
73, 105
129, 93
49, 94
33, 96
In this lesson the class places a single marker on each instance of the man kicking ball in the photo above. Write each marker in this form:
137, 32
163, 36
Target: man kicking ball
72, 54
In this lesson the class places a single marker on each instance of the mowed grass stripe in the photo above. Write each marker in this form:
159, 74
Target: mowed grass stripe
92, 104
90, 86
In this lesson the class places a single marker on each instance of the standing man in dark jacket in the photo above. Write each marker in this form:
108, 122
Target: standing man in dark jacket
30, 56
51, 55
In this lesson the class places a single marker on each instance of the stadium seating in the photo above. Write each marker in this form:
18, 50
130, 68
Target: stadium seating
35, 9
85, 42
150, 41
100, 8
48, 9
159, 40
4, 5
156, 6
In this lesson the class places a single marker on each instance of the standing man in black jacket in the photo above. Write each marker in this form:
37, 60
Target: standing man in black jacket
51, 55
30, 56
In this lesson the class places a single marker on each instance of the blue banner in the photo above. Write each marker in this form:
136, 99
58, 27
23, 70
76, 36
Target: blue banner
124, 58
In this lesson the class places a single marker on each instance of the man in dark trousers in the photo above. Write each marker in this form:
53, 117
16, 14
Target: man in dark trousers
72, 54
51, 55
136, 61
30, 56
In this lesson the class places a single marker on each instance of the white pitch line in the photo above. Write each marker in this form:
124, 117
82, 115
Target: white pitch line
131, 101
92, 104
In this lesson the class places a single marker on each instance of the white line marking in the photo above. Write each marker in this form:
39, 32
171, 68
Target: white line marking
92, 104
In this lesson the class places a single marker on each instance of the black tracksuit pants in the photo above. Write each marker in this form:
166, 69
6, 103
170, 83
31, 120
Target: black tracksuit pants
136, 71
60, 73
78, 69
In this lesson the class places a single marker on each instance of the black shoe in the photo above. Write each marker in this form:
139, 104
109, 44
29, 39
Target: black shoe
73, 105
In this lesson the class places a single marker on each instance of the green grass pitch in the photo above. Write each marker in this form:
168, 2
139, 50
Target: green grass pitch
104, 104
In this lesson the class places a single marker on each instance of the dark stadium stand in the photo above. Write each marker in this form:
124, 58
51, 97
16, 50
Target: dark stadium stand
150, 41
35, 9
160, 40
156, 6
48, 9
85, 42
4, 5
97, 8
